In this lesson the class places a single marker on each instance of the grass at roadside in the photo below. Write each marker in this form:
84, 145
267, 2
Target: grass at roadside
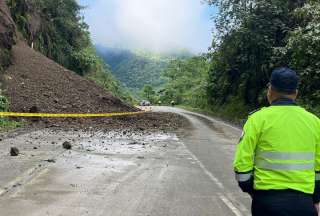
7, 124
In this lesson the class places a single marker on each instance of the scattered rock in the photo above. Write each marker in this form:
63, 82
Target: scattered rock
133, 143
35, 148
51, 160
14, 151
67, 145
141, 129
16, 185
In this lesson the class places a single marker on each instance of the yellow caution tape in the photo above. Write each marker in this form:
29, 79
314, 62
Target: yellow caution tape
68, 115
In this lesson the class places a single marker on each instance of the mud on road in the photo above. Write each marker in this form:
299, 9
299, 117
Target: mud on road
154, 164
45, 172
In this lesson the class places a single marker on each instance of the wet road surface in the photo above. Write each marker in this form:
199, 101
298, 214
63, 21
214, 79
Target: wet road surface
123, 173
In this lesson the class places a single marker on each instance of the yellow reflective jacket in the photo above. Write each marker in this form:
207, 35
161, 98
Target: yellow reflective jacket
280, 149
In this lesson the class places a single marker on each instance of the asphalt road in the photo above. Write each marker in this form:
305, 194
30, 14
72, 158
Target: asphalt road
112, 173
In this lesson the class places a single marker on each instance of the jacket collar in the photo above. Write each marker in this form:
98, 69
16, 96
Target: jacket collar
284, 102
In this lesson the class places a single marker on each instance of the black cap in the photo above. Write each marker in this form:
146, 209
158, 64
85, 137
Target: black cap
284, 80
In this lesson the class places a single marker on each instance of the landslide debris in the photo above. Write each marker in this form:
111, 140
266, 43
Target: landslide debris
14, 151
67, 145
34, 83
149, 122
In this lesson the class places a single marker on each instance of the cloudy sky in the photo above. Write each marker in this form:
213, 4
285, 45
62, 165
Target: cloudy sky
156, 25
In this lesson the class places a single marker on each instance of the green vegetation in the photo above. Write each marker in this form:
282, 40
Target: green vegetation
149, 93
107, 81
253, 37
268, 34
6, 123
135, 69
187, 82
5, 57
56, 29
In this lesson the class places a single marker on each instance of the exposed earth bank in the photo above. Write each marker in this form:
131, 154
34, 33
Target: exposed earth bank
34, 83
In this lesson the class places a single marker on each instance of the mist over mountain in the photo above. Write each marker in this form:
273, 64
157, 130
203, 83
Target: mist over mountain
154, 25
137, 68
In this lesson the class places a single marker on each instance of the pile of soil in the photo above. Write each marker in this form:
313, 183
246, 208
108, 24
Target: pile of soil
150, 121
34, 83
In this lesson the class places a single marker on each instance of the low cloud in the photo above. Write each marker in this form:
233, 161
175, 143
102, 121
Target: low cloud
157, 25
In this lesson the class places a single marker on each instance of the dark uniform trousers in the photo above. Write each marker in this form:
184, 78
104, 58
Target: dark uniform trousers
282, 203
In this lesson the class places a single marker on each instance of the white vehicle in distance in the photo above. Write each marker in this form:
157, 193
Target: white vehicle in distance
145, 103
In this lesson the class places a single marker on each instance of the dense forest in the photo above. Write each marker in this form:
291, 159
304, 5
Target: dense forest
136, 68
253, 37
56, 29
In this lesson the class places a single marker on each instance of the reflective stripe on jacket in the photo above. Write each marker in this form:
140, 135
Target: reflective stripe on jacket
280, 148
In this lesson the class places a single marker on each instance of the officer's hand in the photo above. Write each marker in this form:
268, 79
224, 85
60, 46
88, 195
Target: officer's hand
317, 207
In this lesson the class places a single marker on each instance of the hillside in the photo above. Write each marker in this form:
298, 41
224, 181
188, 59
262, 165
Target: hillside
33, 82
58, 31
7, 35
138, 68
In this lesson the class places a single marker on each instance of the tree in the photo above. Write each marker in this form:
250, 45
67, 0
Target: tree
57, 30
244, 54
149, 93
302, 53
187, 82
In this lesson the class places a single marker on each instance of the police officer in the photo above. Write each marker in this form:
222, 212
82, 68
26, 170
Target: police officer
278, 158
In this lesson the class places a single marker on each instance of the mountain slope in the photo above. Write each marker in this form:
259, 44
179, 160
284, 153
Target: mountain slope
35, 83
58, 31
7, 35
137, 68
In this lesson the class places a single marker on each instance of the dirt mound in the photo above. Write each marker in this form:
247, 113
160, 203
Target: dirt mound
34, 83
